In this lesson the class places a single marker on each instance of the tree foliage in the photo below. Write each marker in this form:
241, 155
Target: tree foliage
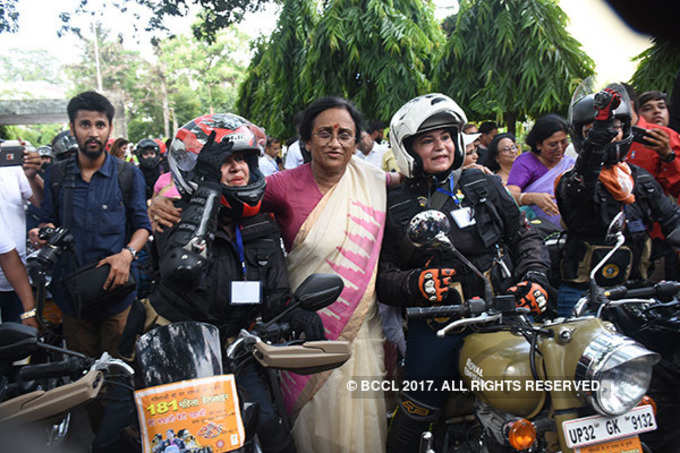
511, 59
29, 66
9, 16
191, 77
376, 53
657, 67
272, 91
214, 15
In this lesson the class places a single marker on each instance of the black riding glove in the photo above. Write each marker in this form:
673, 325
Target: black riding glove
209, 161
306, 321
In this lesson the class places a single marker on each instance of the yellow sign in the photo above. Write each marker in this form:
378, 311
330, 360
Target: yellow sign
627, 445
196, 415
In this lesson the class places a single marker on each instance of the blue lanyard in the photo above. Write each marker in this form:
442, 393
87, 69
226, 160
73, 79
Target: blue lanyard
450, 193
241, 254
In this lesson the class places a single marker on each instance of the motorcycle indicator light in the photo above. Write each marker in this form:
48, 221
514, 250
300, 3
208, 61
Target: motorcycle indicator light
521, 434
647, 400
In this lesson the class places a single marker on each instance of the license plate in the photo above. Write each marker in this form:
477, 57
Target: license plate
627, 445
597, 429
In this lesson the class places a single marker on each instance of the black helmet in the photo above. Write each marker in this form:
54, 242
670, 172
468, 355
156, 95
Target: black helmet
64, 145
149, 162
582, 112
239, 201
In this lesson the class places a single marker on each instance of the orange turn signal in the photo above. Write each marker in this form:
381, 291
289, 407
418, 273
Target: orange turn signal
648, 400
521, 434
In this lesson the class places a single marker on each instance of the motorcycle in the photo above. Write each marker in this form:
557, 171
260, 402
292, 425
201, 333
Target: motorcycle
190, 396
651, 316
44, 394
569, 385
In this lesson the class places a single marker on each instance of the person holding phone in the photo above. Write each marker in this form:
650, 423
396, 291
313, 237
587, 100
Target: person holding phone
654, 146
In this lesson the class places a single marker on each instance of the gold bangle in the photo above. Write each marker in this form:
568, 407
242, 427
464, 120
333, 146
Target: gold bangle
521, 197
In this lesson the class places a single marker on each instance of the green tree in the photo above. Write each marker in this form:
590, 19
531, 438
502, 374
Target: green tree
29, 66
272, 91
509, 59
36, 134
657, 67
9, 16
187, 78
215, 15
376, 53
216, 69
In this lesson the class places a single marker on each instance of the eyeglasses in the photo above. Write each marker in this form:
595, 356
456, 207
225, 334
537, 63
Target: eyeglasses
326, 137
508, 149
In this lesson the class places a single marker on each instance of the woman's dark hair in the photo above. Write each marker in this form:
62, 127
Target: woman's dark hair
117, 145
323, 104
545, 126
92, 101
491, 162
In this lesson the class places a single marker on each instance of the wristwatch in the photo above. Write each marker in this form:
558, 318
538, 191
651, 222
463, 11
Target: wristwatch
28, 314
132, 251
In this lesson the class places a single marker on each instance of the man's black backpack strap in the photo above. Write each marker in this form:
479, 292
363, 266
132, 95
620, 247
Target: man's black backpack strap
63, 176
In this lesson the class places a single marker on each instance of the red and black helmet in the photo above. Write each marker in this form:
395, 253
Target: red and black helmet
241, 201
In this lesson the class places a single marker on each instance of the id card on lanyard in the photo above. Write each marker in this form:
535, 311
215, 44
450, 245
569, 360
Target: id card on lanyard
244, 292
463, 216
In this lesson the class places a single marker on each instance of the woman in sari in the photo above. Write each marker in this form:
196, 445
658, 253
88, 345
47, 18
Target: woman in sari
332, 215
532, 177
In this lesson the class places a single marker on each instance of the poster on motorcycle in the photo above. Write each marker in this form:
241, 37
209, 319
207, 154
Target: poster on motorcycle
195, 416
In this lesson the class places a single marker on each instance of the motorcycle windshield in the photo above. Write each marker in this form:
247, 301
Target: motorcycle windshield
177, 352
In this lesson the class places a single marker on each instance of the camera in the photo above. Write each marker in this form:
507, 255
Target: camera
58, 240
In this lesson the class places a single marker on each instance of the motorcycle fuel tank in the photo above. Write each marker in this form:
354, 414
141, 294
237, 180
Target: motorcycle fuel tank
496, 367
177, 352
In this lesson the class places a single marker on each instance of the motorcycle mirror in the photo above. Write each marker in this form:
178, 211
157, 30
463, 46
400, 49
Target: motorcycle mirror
17, 341
615, 227
319, 291
429, 229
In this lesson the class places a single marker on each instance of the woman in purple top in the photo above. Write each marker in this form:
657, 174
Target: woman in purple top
532, 177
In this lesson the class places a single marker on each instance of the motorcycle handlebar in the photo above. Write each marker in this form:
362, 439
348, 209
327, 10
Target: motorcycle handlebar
472, 306
443, 311
65, 367
661, 289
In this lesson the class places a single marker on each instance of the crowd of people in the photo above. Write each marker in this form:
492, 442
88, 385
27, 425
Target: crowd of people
226, 205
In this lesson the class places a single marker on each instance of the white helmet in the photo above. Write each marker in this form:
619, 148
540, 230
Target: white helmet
422, 114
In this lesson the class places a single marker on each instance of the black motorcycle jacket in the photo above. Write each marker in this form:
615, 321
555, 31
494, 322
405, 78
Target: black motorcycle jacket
498, 240
587, 209
150, 177
209, 298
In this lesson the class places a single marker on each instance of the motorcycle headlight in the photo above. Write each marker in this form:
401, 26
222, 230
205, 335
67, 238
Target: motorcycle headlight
622, 369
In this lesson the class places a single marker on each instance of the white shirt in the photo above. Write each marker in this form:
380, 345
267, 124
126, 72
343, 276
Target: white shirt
14, 191
374, 157
6, 242
267, 165
293, 156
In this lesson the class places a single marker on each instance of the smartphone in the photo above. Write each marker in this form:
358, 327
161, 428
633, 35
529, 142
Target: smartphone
11, 155
639, 136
